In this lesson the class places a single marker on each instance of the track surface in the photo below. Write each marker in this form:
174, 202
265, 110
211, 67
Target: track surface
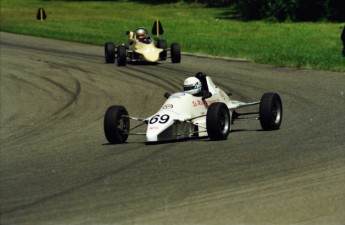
57, 168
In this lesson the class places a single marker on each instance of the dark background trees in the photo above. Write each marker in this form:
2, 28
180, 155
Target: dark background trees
294, 10
279, 10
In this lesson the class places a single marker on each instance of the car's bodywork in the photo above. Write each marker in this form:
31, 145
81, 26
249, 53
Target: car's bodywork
143, 50
185, 116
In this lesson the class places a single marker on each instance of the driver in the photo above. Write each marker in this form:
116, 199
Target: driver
142, 35
192, 85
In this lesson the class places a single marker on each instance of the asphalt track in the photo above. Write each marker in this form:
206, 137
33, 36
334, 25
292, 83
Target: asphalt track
57, 168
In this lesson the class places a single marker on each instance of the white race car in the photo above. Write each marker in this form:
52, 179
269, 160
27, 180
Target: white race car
184, 115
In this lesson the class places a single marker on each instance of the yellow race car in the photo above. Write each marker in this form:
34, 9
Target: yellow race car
142, 48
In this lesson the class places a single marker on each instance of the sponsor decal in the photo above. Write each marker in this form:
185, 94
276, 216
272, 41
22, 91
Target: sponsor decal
168, 106
197, 103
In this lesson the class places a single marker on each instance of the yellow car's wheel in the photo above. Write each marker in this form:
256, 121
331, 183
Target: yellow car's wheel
109, 52
175, 53
121, 55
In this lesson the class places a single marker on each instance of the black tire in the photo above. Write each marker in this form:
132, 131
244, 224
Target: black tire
175, 53
116, 127
162, 44
271, 111
121, 55
218, 121
109, 52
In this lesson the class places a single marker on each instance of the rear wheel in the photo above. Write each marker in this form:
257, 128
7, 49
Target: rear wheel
116, 124
121, 55
109, 52
271, 111
175, 53
218, 121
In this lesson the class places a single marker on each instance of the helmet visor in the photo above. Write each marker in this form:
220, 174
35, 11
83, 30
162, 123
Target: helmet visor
188, 87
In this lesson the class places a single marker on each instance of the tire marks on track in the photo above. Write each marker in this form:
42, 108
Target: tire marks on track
74, 95
91, 182
151, 78
45, 120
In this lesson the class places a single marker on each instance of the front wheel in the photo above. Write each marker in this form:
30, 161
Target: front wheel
109, 52
271, 111
121, 55
175, 53
218, 121
116, 124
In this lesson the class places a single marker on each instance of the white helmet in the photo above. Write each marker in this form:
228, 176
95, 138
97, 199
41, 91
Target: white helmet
192, 85
141, 33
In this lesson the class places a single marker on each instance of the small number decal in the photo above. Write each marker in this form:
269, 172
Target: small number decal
164, 118
154, 119
161, 119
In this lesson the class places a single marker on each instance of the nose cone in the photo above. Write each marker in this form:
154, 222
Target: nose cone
159, 130
148, 51
151, 137
151, 54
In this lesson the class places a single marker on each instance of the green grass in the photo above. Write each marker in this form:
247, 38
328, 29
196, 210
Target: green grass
197, 29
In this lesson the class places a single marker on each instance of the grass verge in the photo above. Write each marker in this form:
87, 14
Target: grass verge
197, 29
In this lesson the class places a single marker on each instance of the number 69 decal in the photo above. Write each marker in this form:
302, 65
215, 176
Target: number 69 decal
161, 119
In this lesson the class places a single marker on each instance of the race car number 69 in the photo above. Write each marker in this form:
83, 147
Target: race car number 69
161, 119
